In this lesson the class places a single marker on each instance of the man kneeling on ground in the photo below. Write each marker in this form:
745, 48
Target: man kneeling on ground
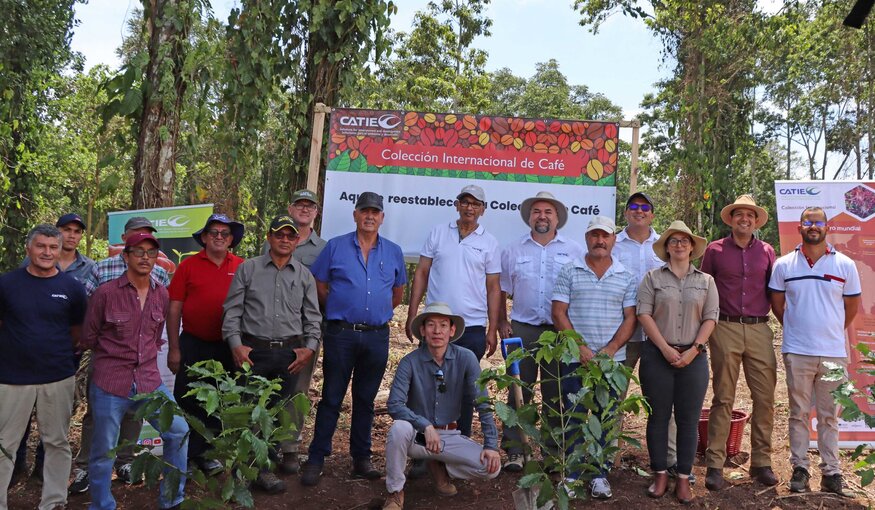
431, 386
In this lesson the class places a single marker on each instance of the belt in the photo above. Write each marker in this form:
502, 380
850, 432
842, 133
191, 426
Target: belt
261, 343
682, 348
448, 426
743, 319
358, 327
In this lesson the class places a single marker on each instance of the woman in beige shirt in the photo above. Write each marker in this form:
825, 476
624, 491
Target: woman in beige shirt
678, 309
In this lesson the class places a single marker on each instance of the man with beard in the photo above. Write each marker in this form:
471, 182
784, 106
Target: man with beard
815, 294
528, 270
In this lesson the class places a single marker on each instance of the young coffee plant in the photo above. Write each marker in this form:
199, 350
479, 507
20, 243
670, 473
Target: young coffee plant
844, 395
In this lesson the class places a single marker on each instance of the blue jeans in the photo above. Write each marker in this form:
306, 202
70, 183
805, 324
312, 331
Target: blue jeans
474, 339
108, 410
573, 385
362, 357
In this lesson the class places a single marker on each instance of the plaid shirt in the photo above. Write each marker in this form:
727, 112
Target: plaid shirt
111, 268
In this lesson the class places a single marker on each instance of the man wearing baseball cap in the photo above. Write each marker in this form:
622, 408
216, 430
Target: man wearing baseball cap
596, 296
123, 328
272, 320
460, 264
197, 292
304, 209
360, 277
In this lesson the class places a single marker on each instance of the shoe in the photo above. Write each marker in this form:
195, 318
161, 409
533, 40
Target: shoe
290, 464
833, 483
209, 467
799, 482
270, 483
600, 488
659, 486
514, 463
310, 474
79, 484
714, 480
395, 501
124, 474
682, 490
568, 487
417, 470
764, 475
362, 468
438, 471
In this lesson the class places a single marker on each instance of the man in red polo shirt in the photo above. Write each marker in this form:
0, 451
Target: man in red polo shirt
197, 292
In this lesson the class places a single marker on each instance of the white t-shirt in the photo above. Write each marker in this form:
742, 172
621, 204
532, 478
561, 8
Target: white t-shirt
814, 317
459, 268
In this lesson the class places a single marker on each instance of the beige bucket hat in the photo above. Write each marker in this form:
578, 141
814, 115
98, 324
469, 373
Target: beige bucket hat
438, 308
699, 243
747, 202
544, 196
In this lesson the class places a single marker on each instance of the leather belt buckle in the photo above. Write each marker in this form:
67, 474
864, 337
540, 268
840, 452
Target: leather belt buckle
360, 327
276, 344
748, 320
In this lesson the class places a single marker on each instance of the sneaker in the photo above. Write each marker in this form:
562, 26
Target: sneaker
514, 462
210, 467
362, 468
310, 474
600, 488
799, 482
566, 484
124, 474
270, 483
833, 483
79, 484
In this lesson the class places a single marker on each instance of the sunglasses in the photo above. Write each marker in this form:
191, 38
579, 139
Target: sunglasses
282, 235
219, 233
642, 207
818, 224
439, 377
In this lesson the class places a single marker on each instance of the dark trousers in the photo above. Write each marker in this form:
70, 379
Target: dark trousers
474, 339
667, 388
21, 453
572, 385
194, 350
362, 357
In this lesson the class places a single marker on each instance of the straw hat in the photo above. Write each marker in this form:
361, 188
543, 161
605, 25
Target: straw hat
438, 308
544, 196
747, 202
699, 243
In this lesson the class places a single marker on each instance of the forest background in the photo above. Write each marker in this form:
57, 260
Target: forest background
202, 109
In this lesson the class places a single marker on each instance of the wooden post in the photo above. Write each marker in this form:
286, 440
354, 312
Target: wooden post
633, 171
319, 112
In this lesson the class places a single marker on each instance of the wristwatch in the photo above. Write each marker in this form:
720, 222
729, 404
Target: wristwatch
701, 347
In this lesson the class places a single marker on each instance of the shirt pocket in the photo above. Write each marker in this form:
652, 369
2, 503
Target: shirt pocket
152, 322
119, 322
694, 294
293, 297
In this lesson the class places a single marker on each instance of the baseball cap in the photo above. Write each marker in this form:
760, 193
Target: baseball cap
70, 218
305, 194
282, 221
369, 199
639, 194
139, 222
601, 223
139, 237
473, 190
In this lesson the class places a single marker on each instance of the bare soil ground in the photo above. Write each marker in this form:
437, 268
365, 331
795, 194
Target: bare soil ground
338, 491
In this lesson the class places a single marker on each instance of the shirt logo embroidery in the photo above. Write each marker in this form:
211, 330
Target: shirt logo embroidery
61, 296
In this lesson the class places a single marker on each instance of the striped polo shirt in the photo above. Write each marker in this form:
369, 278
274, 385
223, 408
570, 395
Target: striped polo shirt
814, 316
595, 306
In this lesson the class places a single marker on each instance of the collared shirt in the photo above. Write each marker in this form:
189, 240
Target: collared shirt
814, 317
459, 269
528, 272
111, 268
415, 396
272, 303
125, 336
360, 293
638, 258
678, 305
741, 275
36, 315
202, 286
80, 269
306, 252
595, 305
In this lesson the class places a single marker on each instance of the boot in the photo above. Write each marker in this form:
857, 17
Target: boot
714, 480
395, 501
659, 485
441, 478
682, 490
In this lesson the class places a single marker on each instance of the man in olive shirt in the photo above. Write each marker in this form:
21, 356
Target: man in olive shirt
272, 318
303, 210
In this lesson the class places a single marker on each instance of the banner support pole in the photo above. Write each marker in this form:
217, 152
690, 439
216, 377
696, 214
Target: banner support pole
319, 112
635, 124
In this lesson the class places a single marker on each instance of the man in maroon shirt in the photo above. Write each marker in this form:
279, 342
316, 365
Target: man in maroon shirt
123, 327
741, 266
197, 291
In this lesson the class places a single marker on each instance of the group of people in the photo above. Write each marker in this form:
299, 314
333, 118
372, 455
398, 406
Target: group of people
632, 294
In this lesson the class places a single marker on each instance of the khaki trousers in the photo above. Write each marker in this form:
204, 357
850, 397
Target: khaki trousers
54, 406
301, 385
733, 346
804, 375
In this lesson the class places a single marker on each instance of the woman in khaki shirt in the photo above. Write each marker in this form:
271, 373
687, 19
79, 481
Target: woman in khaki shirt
678, 308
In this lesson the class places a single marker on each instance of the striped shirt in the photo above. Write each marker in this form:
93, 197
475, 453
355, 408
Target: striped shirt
595, 306
111, 268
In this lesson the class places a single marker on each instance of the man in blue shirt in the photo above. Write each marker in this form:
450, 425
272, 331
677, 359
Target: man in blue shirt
430, 387
360, 279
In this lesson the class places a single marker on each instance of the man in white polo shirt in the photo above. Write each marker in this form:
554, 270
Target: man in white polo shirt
529, 266
815, 295
460, 265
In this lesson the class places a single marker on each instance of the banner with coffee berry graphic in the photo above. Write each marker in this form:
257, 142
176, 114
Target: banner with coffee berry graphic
420, 161
850, 212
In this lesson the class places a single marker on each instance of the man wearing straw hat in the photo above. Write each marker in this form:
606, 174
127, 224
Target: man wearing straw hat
741, 266
529, 267
431, 386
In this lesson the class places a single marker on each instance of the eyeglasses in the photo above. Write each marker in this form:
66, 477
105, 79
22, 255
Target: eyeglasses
684, 241
470, 203
219, 233
304, 206
439, 377
139, 252
818, 224
642, 207
282, 235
